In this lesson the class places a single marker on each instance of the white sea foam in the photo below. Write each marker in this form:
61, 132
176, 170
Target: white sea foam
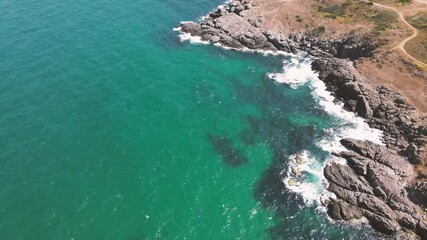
183, 36
187, 37
297, 72
304, 176
352, 126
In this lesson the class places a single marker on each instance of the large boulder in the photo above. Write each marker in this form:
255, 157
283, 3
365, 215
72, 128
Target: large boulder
404, 127
372, 185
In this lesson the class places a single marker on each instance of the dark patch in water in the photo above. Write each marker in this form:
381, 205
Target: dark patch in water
273, 195
302, 136
224, 147
247, 137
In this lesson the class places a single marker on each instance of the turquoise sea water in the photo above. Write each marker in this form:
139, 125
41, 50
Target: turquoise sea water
111, 128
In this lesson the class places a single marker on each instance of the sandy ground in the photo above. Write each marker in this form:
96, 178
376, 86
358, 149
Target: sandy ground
397, 75
391, 65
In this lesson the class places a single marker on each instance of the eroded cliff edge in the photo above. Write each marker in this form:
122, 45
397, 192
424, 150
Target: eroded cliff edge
377, 179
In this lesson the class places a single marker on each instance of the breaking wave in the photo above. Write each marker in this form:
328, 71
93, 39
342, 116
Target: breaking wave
297, 72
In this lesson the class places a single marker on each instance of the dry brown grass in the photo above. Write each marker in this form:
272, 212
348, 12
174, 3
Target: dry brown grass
350, 11
417, 47
391, 70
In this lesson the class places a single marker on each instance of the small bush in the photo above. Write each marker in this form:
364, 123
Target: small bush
384, 19
317, 31
320, 30
347, 4
335, 10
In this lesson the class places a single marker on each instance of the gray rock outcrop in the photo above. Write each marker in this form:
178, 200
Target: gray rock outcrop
372, 185
403, 125
388, 168
235, 26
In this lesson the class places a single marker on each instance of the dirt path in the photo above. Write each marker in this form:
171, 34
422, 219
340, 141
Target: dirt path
401, 46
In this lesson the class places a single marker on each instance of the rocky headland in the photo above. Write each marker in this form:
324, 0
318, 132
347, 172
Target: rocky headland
386, 184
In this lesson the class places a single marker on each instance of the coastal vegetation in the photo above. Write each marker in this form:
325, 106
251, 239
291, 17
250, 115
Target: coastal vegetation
319, 30
418, 46
359, 11
383, 20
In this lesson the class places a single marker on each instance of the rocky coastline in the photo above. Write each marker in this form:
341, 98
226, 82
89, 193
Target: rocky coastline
378, 183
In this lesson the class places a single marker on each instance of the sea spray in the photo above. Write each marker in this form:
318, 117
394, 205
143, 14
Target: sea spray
297, 72
183, 36
303, 175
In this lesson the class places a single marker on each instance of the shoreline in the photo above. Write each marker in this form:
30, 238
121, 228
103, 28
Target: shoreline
376, 181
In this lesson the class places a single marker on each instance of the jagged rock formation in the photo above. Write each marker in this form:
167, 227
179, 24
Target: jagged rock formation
374, 183
404, 127
377, 175
234, 26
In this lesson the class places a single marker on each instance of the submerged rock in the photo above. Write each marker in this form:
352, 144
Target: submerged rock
296, 171
299, 159
292, 182
225, 148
